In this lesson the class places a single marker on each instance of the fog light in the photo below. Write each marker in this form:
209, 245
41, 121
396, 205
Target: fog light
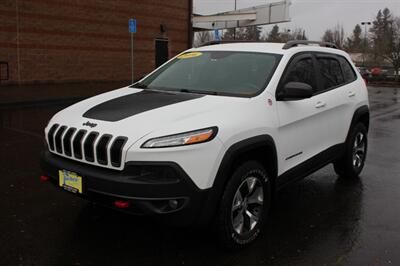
173, 204
122, 204
44, 178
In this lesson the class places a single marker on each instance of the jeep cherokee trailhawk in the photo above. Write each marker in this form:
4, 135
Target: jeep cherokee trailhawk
208, 137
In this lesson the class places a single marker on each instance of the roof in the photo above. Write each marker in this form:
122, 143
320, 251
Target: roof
266, 47
260, 47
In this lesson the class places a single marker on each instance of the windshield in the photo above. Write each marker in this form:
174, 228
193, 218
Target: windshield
215, 72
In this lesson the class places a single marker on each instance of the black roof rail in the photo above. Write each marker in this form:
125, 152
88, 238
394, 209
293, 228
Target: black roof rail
291, 44
214, 42
288, 45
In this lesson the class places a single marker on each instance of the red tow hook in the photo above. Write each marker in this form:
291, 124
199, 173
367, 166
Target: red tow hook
44, 178
122, 204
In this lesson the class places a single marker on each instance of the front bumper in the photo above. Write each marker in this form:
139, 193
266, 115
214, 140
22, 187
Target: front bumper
150, 187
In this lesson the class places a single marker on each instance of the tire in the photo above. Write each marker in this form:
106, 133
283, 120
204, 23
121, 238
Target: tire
244, 206
352, 162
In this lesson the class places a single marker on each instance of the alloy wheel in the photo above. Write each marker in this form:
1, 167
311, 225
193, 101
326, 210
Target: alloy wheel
359, 150
247, 205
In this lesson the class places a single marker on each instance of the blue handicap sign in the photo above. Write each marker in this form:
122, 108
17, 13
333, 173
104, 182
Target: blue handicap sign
132, 25
216, 35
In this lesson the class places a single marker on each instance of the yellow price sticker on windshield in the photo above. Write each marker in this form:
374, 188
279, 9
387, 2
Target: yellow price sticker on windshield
190, 55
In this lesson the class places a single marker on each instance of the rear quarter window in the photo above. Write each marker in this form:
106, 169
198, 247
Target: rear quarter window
348, 71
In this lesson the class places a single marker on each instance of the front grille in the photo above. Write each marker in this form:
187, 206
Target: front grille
67, 141
78, 143
58, 139
50, 136
101, 149
115, 152
87, 146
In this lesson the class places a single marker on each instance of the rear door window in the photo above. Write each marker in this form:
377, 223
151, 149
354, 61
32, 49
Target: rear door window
331, 73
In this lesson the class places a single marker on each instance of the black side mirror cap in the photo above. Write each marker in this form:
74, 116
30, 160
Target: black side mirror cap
293, 91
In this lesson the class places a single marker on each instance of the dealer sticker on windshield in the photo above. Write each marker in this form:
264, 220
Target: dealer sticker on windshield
189, 55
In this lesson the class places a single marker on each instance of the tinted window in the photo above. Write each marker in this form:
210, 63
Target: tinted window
348, 71
302, 71
222, 72
331, 73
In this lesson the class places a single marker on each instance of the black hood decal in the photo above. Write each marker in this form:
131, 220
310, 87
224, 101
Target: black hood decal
135, 103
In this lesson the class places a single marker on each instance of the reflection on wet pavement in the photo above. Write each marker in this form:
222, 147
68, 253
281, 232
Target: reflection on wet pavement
321, 220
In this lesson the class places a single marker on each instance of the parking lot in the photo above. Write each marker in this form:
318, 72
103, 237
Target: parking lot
321, 220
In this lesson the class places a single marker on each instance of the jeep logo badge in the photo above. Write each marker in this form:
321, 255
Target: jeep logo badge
92, 125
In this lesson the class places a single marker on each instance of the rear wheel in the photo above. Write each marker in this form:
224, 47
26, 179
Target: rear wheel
353, 159
244, 206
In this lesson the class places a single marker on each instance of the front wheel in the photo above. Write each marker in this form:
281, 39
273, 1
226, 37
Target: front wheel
353, 159
244, 206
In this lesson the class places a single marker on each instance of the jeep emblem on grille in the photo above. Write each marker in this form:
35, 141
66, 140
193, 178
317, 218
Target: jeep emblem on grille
89, 124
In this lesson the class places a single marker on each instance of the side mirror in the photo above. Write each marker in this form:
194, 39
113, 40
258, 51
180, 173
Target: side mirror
295, 91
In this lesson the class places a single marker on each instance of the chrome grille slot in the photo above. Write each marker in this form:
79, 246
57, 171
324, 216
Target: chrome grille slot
88, 146
77, 143
116, 151
50, 136
58, 140
102, 148
67, 141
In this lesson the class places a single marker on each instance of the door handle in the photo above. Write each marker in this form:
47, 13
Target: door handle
320, 105
351, 94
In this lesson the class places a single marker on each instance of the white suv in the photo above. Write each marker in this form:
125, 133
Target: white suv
208, 137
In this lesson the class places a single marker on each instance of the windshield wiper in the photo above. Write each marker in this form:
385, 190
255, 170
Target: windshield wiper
144, 86
138, 85
199, 92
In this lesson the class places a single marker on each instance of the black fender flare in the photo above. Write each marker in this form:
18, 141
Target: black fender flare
360, 114
222, 176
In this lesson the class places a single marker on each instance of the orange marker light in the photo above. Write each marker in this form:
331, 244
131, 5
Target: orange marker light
199, 138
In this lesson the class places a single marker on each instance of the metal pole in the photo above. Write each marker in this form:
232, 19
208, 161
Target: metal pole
365, 43
234, 29
133, 76
365, 23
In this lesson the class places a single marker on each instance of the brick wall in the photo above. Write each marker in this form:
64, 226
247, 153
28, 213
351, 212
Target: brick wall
86, 40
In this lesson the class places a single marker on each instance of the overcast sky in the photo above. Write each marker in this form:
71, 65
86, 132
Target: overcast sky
315, 16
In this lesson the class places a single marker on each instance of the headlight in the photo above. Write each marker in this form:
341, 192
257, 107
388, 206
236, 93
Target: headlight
187, 138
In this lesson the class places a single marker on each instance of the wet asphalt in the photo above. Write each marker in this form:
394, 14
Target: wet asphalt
321, 220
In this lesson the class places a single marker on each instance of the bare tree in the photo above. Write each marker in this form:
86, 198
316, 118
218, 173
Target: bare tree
235, 34
335, 35
328, 36
296, 34
201, 37
229, 34
392, 51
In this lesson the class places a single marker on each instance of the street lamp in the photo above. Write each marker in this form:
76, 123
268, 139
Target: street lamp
365, 24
